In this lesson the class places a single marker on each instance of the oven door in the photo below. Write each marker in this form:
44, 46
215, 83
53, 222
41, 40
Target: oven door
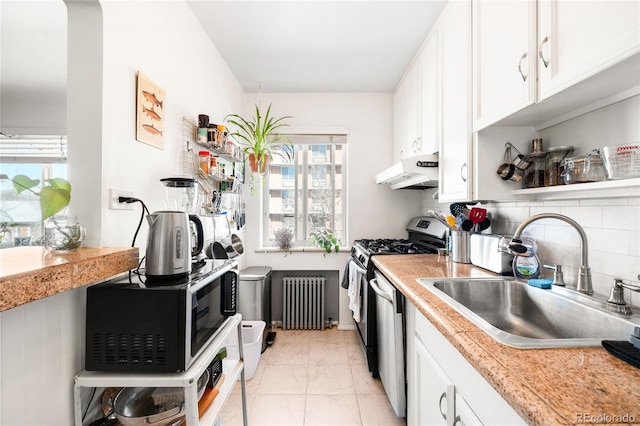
210, 303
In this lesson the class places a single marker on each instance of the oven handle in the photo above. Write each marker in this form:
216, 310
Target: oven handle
374, 285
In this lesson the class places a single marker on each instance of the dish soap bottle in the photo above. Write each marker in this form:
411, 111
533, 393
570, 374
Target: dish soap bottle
526, 266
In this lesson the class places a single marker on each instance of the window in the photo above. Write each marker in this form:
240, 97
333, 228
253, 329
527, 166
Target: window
307, 194
38, 157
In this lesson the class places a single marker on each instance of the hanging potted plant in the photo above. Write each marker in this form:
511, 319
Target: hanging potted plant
259, 138
61, 233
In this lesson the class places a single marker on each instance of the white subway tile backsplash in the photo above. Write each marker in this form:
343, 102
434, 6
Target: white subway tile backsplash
562, 203
622, 217
587, 217
604, 202
612, 226
607, 240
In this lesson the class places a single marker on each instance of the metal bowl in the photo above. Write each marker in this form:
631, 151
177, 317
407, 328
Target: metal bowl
153, 406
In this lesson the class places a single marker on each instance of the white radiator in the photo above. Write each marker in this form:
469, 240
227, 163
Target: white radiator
303, 303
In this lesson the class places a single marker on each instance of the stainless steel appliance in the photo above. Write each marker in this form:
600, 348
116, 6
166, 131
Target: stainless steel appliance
133, 327
391, 353
425, 235
169, 252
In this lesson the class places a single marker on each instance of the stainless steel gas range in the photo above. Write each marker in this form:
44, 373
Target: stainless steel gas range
425, 235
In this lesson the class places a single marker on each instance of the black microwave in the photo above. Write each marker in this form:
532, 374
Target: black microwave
134, 327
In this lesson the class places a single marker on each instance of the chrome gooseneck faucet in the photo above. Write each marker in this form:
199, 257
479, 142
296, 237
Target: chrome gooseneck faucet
584, 275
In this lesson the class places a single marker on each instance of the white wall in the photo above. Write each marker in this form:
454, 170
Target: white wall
612, 225
42, 343
166, 43
373, 211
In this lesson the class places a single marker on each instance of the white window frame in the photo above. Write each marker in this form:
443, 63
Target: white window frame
306, 138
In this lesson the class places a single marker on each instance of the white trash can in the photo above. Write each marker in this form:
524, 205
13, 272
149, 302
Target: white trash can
251, 345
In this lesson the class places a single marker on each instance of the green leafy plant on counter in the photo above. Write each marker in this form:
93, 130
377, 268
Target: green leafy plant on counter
325, 240
54, 194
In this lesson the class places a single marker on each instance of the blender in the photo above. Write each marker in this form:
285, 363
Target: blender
181, 194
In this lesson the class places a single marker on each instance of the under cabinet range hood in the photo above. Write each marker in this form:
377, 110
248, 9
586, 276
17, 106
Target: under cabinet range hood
418, 172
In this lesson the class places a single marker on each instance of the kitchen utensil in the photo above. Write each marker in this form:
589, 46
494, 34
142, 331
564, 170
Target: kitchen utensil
457, 209
467, 225
484, 225
154, 406
477, 214
137, 406
228, 247
451, 221
169, 251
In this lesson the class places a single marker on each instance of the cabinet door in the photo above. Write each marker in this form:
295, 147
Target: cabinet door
398, 124
577, 39
429, 96
454, 32
412, 111
434, 391
464, 414
504, 59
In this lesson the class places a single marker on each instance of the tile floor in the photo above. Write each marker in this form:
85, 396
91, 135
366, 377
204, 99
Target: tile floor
312, 377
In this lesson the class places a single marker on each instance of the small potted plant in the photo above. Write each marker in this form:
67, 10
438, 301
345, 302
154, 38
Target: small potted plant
325, 240
284, 239
259, 138
61, 233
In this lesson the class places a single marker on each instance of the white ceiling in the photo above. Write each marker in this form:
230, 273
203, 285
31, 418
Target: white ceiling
317, 46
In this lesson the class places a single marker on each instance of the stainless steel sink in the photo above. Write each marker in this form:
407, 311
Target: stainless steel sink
524, 317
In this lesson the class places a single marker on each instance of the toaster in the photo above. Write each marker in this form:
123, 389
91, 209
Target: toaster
484, 253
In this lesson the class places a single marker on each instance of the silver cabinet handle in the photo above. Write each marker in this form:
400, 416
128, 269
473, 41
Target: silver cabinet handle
443, 396
542, 43
377, 290
463, 173
522, 58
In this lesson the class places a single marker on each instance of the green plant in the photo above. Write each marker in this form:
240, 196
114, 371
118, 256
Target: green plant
259, 138
325, 239
54, 195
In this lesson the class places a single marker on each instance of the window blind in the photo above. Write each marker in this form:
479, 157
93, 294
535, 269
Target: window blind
33, 148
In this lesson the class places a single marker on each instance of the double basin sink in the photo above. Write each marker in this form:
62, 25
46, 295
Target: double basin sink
526, 317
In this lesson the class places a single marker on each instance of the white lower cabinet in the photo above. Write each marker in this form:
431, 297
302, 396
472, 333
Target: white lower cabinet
442, 387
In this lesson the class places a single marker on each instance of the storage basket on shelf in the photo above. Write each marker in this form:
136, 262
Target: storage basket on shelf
251, 346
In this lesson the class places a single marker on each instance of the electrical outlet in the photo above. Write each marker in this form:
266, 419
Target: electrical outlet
114, 204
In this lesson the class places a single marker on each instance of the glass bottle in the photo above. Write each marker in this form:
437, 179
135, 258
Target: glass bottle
203, 157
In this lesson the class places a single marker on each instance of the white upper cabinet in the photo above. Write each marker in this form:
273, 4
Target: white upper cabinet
577, 39
455, 165
583, 53
504, 59
399, 125
412, 111
430, 96
406, 104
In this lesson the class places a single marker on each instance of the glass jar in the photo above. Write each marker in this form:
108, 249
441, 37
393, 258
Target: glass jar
203, 157
553, 164
534, 175
588, 168
63, 233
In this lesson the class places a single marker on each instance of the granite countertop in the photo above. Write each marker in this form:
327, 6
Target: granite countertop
544, 386
31, 273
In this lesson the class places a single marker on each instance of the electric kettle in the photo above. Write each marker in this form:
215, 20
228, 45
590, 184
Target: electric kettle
169, 251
